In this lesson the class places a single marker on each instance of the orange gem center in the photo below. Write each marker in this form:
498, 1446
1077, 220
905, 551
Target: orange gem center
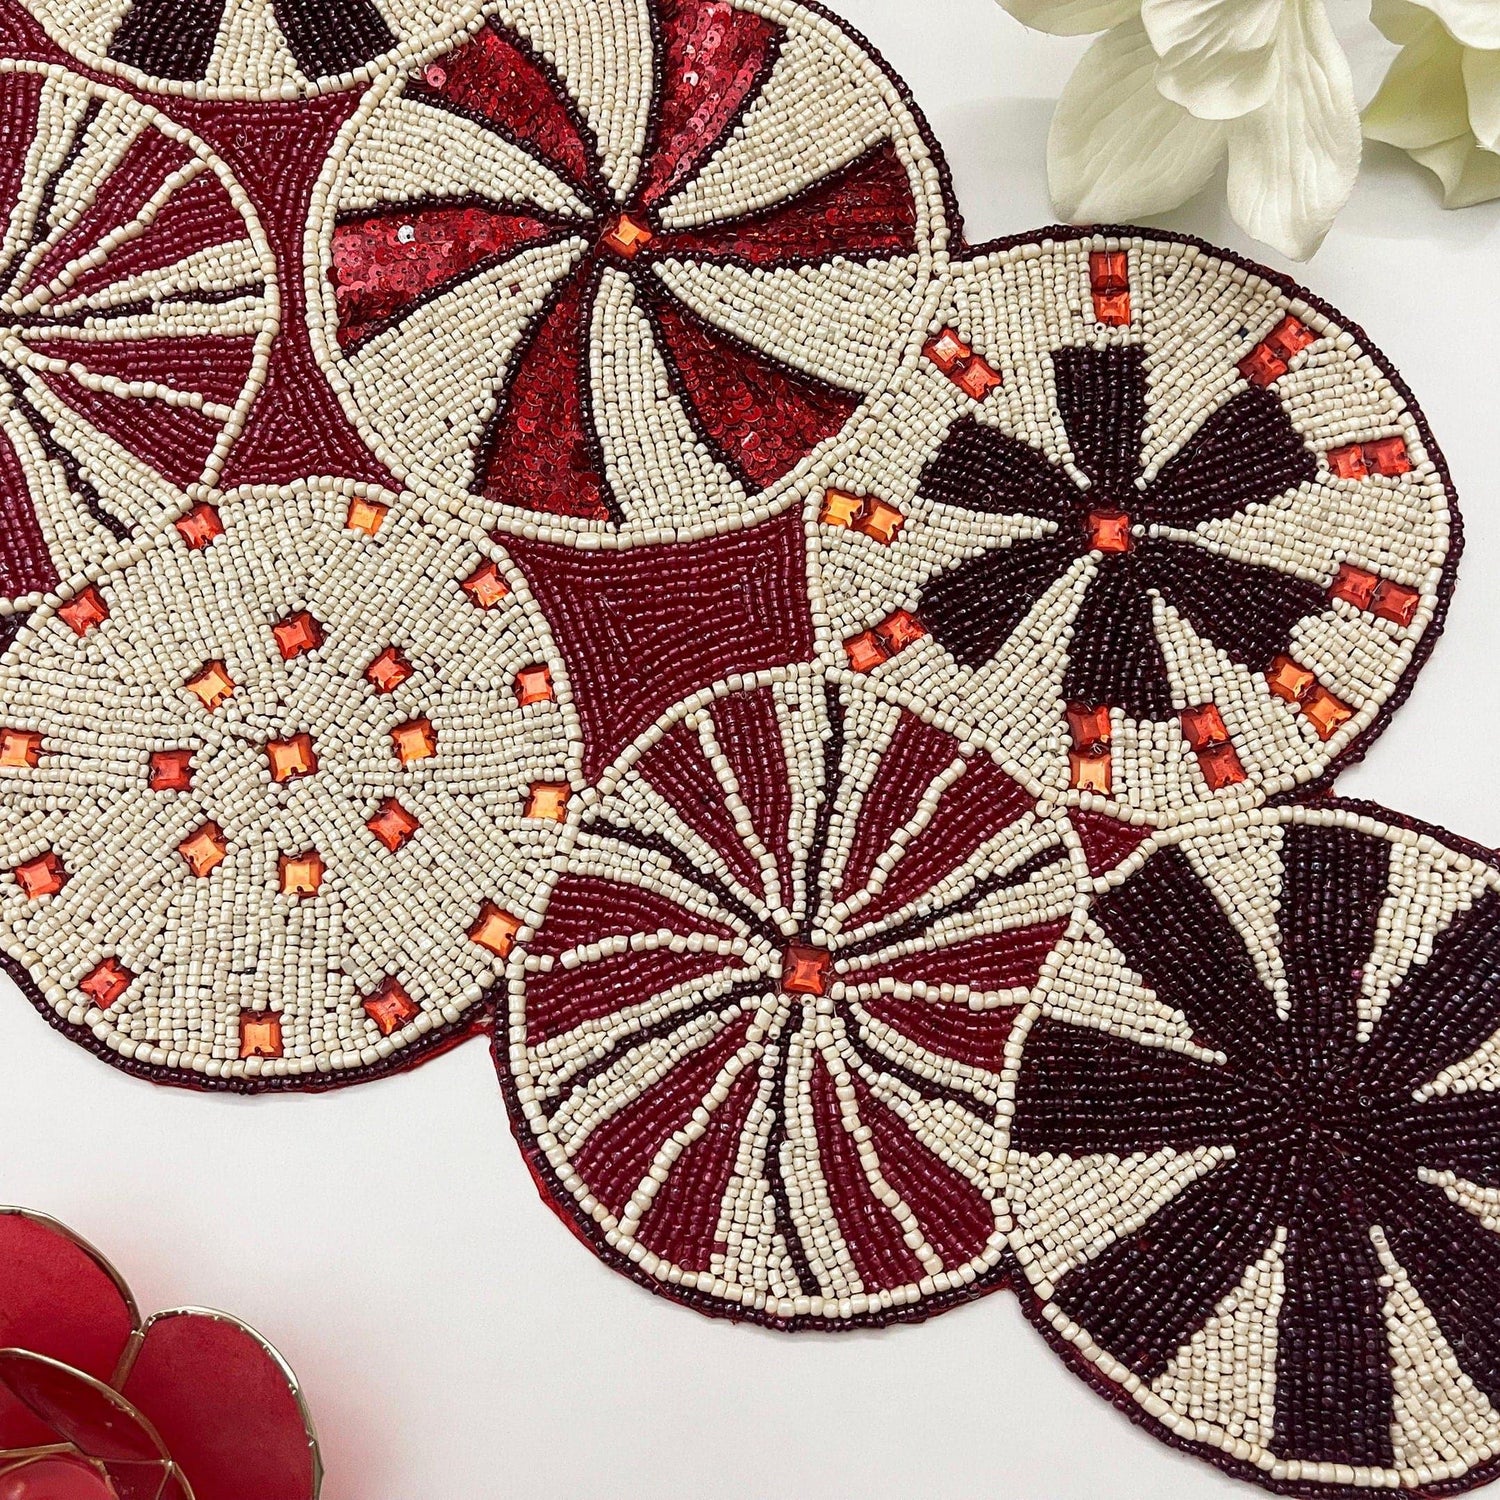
549, 800
626, 236
291, 758
171, 770
301, 874
804, 969
296, 634
485, 586
495, 929
388, 671
20, 747
260, 1034
392, 824
416, 740
534, 685
366, 515
212, 686
1108, 530
389, 1006
204, 849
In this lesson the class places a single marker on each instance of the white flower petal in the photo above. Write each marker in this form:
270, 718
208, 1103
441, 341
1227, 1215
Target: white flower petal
1292, 163
1421, 101
1476, 23
1468, 174
1072, 17
1119, 150
1482, 84
1403, 21
1218, 57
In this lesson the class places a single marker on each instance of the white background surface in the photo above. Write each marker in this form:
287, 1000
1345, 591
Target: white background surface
455, 1341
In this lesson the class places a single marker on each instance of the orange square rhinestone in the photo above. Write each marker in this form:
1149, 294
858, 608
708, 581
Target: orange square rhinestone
1326, 713
865, 651
367, 516
1354, 586
300, 874
840, 508
1289, 680
486, 586
1220, 766
534, 684
1089, 726
1388, 456
1396, 602
1289, 337
297, 633
1348, 462
1090, 770
388, 671
549, 800
414, 740
171, 771
947, 351
1109, 530
84, 611
977, 379
389, 1006
882, 521
1203, 726
1262, 366
204, 849
42, 876
392, 824
495, 929
899, 630
212, 685
106, 982
292, 758
20, 747
1109, 270
626, 236
260, 1034
804, 969
199, 526
1112, 308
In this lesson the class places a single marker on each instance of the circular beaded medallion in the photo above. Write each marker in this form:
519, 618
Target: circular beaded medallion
262, 822
623, 271
1161, 526
138, 302
245, 49
755, 1038
1255, 1155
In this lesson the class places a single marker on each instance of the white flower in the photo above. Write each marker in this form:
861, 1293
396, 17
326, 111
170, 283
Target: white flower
1174, 87
1441, 99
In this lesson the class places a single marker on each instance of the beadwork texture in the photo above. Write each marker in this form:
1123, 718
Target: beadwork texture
1253, 1151
1178, 551
529, 520
756, 1038
637, 303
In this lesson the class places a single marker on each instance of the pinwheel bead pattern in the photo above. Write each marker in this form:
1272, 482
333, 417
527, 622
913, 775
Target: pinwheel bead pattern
138, 303
335, 765
1253, 1157
1180, 548
626, 269
755, 1040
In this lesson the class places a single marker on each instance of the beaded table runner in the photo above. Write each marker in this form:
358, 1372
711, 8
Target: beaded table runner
531, 521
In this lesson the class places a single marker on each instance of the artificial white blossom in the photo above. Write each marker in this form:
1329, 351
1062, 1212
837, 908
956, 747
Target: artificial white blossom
1441, 99
1173, 88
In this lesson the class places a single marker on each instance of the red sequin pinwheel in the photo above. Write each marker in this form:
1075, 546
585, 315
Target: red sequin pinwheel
755, 1041
632, 273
